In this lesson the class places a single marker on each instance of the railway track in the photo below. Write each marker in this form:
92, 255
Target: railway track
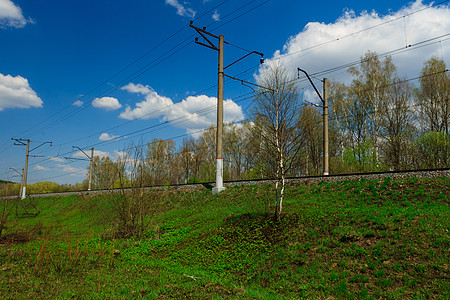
425, 173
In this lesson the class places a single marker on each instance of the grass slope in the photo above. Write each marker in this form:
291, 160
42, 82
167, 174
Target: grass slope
346, 240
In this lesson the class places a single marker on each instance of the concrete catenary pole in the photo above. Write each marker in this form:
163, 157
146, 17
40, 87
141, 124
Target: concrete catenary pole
21, 182
219, 145
325, 128
90, 168
24, 186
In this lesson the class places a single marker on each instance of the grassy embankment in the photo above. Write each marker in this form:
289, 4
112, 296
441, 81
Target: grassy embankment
353, 239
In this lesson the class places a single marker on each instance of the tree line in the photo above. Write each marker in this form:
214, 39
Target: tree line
378, 122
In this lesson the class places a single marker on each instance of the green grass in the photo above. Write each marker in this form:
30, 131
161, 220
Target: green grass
348, 240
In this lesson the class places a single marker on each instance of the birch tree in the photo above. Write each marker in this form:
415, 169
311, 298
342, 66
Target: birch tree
370, 85
276, 118
396, 118
433, 96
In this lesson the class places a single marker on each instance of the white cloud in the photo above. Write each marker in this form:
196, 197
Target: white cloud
78, 103
106, 103
40, 168
11, 15
182, 10
69, 169
199, 112
15, 92
101, 154
193, 113
107, 137
322, 46
57, 159
153, 106
216, 16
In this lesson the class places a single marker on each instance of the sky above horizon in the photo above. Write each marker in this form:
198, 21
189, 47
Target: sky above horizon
110, 74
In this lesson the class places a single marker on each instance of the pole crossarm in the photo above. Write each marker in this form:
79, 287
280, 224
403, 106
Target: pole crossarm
245, 83
312, 83
203, 33
41, 145
76, 158
16, 171
82, 151
253, 52
19, 142
313, 104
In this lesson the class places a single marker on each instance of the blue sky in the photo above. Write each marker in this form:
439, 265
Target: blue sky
79, 73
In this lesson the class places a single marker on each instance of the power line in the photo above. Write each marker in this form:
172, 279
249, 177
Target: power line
163, 125
361, 31
146, 68
325, 71
412, 13
391, 52
117, 73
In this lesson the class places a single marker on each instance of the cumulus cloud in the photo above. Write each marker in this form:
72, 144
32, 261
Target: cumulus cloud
154, 105
57, 159
69, 169
193, 113
40, 168
107, 137
106, 103
216, 16
15, 92
78, 103
322, 46
182, 10
198, 112
11, 15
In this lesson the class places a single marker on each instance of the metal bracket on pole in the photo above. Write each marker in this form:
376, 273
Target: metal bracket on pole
81, 151
256, 52
312, 83
203, 33
42, 145
76, 158
16, 171
247, 83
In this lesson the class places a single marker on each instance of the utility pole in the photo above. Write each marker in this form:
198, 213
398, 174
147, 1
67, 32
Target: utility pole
219, 138
21, 142
90, 159
325, 129
219, 151
24, 187
325, 118
90, 168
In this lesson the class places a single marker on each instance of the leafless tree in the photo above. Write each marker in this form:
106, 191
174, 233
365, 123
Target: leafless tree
433, 96
311, 131
370, 91
396, 120
276, 120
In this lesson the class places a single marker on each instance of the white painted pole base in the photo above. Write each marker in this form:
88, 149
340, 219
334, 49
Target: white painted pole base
325, 173
24, 192
219, 177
